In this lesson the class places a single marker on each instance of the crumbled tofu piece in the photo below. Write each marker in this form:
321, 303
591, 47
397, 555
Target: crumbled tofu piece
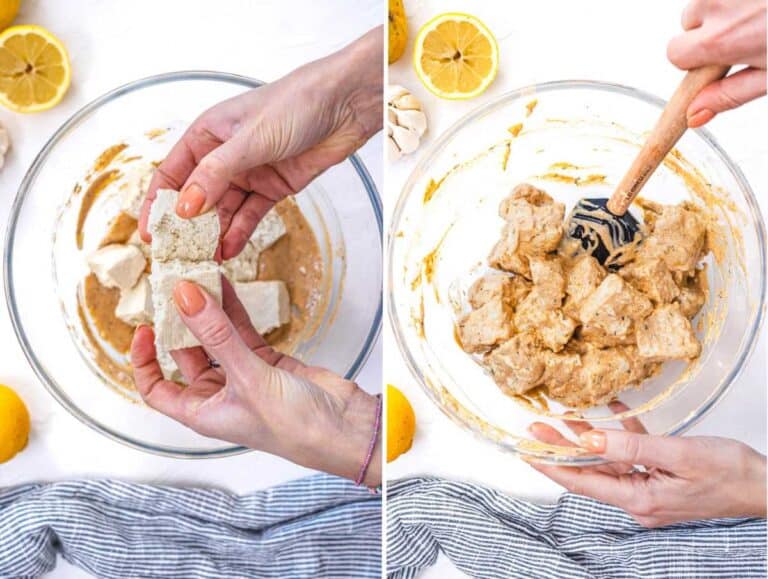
517, 365
267, 303
679, 237
614, 307
134, 186
193, 239
135, 305
486, 326
244, 266
268, 231
135, 239
117, 265
583, 278
653, 278
667, 335
534, 227
170, 331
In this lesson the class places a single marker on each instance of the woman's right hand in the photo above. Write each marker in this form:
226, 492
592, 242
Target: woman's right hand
247, 153
723, 32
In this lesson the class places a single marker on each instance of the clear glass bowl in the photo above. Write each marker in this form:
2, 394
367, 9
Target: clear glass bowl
342, 206
568, 130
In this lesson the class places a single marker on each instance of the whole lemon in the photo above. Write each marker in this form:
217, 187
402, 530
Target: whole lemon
398, 30
8, 11
14, 424
401, 423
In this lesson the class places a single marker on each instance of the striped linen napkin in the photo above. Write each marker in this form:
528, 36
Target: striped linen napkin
488, 534
319, 526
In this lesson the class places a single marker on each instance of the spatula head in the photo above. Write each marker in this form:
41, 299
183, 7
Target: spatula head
593, 229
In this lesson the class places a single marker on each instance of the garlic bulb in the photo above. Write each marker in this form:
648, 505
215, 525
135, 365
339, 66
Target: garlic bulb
406, 122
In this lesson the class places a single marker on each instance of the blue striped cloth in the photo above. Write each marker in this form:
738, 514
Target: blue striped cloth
320, 526
488, 534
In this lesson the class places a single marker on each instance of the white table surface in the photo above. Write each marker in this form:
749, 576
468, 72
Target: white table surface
111, 43
621, 42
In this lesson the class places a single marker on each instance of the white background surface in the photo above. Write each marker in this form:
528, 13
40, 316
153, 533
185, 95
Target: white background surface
112, 43
620, 42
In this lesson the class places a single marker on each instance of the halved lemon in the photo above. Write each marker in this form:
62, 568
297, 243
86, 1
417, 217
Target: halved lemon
34, 69
456, 56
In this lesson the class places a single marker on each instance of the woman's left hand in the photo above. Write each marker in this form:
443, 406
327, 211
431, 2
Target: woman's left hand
684, 478
257, 397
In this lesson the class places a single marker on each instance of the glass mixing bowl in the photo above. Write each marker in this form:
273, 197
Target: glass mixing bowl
43, 265
574, 140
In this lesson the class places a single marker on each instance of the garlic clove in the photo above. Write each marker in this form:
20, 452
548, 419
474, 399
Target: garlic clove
413, 120
406, 140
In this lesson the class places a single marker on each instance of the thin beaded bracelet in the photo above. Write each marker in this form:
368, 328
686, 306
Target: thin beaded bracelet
372, 445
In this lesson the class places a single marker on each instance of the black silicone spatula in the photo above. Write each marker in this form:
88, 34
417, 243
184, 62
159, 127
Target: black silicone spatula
604, 228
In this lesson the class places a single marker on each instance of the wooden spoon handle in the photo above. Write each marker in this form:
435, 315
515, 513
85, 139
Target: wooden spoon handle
668, 130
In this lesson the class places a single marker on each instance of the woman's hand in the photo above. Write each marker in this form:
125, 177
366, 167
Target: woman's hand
249, 152
257, 397
722, 32
684, 479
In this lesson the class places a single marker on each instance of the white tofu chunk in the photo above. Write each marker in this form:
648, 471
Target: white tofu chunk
267, 303
193, 239
135, 305
117, 265
170, 331
134, 186
135, 239
168, 366
243, 267
268, 231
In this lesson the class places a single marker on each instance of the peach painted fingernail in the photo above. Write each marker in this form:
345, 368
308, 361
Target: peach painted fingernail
188, 297
190, 201
700, 118
593, 440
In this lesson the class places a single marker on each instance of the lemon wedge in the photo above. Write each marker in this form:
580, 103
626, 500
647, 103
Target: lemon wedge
456, 56
34, 69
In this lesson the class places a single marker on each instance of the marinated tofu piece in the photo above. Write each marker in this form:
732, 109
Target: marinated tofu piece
175, 238
693, 294
486, 326
556, 329
135, 304
267, 303
614, 307
584, 276
667, 335
498, 286
517, 365
653, 278
601, 375
534, 227
537, 218
540, 311
679, 237
116, 265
